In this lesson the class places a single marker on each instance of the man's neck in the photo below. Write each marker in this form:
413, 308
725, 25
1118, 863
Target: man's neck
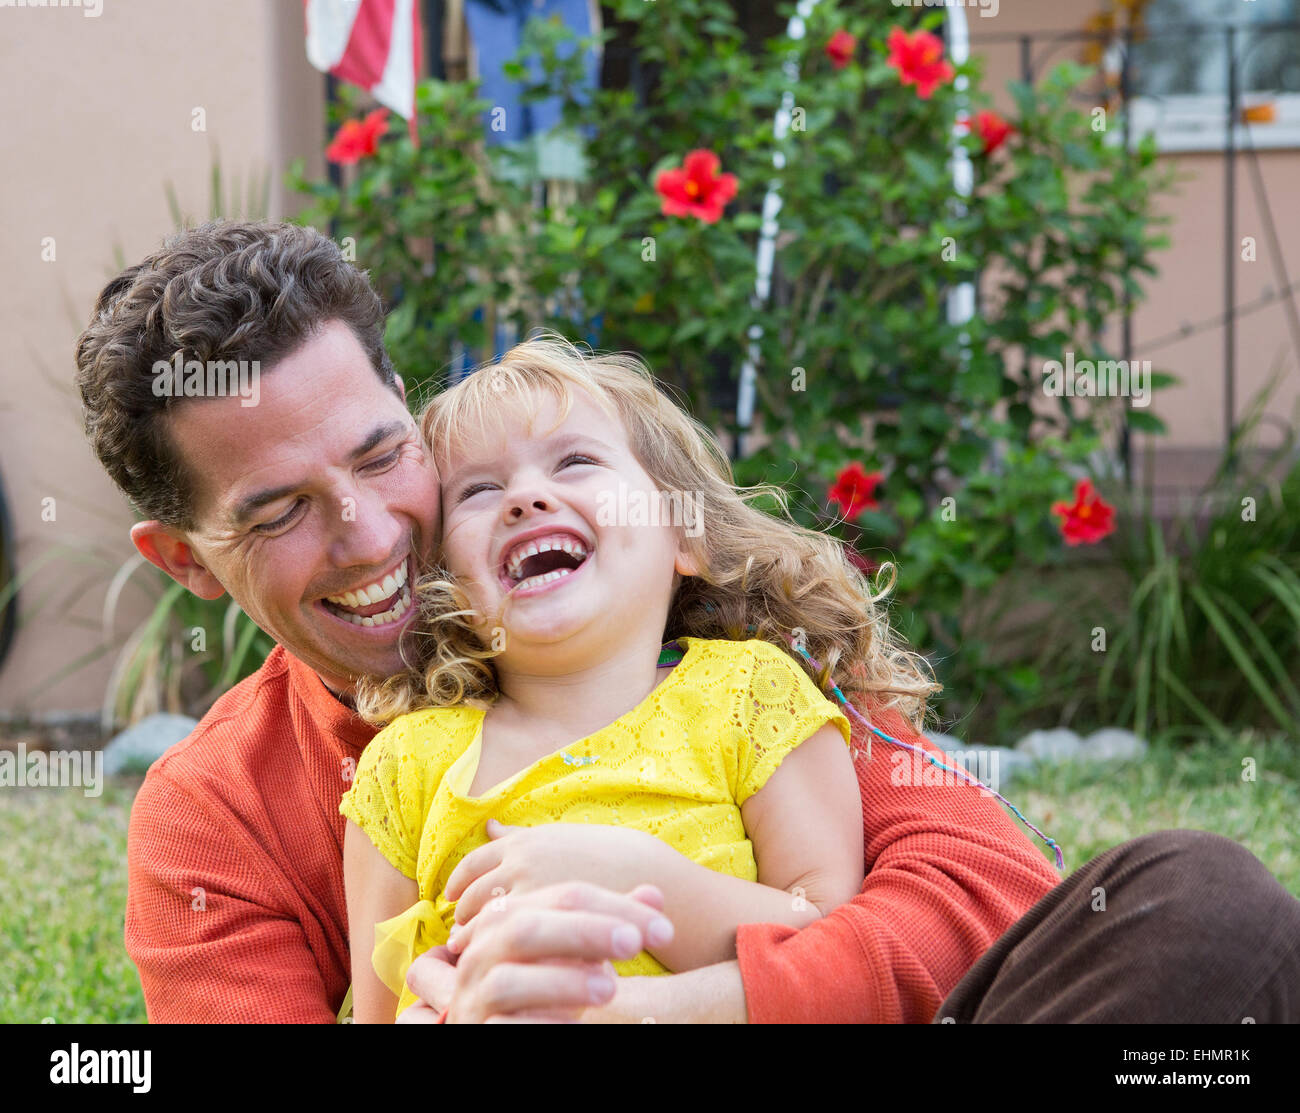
344, 695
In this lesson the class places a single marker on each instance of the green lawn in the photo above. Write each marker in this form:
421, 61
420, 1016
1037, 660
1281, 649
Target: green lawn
1090, 808
62, 895
64, 882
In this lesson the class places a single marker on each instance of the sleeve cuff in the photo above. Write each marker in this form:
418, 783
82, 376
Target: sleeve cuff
773, 756
398, 856
819, 975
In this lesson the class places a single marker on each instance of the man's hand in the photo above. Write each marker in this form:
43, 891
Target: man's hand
537, 956
519, 860
436, 970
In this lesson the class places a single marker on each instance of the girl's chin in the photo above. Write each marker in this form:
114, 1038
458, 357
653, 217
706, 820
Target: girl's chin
526, 632
521, 634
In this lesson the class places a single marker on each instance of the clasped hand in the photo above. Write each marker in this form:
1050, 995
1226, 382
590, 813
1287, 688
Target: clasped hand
519, 860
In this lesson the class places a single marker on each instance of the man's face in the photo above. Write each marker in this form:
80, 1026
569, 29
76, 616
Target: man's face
320, 491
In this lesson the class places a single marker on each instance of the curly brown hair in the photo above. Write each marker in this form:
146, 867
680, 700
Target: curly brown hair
225, 290
762, 575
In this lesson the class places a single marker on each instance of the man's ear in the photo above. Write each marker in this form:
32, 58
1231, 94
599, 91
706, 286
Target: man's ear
167, 549
401, 388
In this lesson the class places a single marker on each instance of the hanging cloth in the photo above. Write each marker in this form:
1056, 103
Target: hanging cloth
496, 31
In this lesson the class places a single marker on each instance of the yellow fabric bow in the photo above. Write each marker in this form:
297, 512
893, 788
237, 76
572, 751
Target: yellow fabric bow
398, 941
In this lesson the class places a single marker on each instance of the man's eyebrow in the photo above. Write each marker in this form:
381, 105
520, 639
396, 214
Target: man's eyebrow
249, 506
378, 436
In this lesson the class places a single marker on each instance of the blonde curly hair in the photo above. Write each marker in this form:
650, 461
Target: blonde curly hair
761, 574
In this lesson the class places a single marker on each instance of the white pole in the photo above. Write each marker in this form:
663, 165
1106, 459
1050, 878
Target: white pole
767, 235
961, 299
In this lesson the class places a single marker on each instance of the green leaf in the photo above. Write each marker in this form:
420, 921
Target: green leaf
1143, 422
1203, 713
1257, 683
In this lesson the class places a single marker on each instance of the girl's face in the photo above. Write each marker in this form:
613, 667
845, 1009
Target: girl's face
565, 521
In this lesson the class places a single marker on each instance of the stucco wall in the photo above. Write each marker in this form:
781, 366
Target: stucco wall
1190, 287
98, 116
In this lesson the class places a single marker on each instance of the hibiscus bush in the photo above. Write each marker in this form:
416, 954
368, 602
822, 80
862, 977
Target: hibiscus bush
917, 438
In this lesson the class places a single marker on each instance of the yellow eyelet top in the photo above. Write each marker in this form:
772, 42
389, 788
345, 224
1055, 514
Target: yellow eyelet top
678, 765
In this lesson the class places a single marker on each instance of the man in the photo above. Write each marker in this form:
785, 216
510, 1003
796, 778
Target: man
315, 508
295, 505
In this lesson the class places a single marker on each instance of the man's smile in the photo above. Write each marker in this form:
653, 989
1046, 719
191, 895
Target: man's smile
382, 602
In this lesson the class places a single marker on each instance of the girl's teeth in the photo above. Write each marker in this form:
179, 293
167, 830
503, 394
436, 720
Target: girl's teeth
515, 565
537, 581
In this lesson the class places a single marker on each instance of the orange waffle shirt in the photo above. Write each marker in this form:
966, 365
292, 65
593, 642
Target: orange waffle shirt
235, 908
947, 872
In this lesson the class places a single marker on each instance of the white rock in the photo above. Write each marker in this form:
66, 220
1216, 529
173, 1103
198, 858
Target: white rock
945, 742
139, 746
1012, 762
990, 764
1061, 744
1112, 744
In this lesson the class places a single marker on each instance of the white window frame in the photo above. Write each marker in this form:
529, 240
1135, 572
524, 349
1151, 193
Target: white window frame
1199, 121
1187, 122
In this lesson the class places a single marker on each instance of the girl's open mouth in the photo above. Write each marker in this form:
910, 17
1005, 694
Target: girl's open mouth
538, 561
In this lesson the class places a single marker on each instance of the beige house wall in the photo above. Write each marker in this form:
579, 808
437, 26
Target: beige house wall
1190, 286
98, 116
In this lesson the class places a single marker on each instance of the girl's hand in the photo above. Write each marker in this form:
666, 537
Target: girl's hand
521, 859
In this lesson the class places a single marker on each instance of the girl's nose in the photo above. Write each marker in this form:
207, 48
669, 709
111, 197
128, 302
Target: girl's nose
516, 508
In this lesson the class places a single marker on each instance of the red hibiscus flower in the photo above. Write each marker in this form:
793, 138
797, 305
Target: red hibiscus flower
358, 139
855, 490
1089, 519
993, 129
918, 58
840, 49
696, 188
863, 564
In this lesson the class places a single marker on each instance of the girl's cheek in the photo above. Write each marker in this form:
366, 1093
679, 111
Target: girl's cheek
459, 546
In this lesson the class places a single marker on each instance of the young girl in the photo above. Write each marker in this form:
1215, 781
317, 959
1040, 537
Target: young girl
586, 522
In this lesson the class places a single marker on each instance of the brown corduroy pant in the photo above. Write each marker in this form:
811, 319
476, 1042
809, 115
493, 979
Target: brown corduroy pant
1183, 927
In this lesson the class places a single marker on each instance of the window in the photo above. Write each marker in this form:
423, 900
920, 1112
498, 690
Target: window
1179, 73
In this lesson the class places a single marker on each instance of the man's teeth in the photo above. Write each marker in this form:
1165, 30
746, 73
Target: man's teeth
514, 566
391, 615
372, 593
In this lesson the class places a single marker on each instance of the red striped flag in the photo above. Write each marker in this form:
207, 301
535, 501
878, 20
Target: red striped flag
371, 43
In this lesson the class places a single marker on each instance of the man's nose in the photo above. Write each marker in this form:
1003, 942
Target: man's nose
368, 532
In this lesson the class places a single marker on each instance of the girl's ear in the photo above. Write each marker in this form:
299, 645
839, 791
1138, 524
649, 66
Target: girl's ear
686, 563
